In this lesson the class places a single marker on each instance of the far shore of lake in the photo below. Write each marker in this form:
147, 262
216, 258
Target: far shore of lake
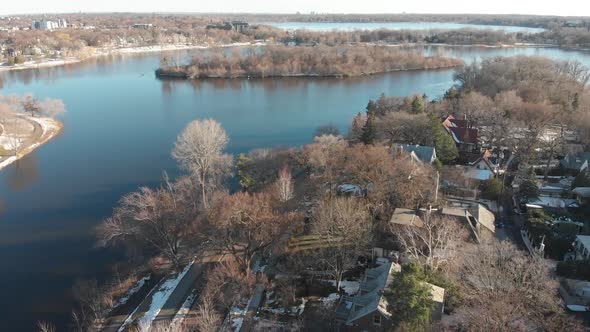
46, 62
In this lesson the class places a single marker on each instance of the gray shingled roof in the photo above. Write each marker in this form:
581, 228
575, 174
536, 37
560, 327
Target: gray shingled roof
426, 154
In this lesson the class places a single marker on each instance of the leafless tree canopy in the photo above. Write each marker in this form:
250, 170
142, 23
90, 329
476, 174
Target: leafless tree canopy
161, 217
246, 224
284, 185
199, 150
508, 290
306, 61
435, 244
345, 224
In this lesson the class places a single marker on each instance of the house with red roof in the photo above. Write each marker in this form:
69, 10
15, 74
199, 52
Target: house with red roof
465, 138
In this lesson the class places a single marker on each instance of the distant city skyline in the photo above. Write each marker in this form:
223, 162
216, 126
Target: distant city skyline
561, 8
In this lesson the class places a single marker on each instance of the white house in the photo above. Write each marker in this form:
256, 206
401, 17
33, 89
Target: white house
582, 247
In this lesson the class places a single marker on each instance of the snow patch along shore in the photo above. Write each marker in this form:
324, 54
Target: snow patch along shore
50, 127
160, 297
183, 311
133, 290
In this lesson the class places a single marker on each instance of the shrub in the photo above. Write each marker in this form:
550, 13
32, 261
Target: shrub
574, 269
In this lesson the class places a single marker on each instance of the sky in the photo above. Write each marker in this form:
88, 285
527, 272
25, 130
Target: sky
536, 7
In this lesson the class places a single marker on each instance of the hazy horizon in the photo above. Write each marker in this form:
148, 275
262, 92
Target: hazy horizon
575, 8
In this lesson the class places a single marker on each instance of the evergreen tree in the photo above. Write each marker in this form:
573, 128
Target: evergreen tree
417, 105
410, 299
369, 134
446, 150
244, 166
371, 107
491, 189
528, 190
356, 129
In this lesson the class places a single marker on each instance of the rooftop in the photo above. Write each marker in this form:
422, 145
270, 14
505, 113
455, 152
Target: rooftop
464, 135
406, 217
585, 240
582, 191
426, 154
370, 297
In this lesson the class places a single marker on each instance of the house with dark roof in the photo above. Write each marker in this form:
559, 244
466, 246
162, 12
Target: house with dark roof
425, 154
465, 138
368, 310
582, 195
575, 162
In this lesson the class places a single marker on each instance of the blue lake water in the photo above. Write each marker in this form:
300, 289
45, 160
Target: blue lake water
119, 129
348, 26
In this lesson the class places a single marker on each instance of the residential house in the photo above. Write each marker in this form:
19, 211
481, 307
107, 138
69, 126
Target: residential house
368, 310
465, 138
479, 219
575, 162
142, 26
482, 168
582, 195
407, 217
425, 154
238, 26
575, 294
581, 248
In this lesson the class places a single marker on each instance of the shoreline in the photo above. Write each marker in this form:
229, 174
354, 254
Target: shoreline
46, 63
172, 47
51, 128
183, 76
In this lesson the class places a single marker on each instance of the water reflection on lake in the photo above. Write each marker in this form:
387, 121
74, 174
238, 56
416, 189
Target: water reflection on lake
119, 129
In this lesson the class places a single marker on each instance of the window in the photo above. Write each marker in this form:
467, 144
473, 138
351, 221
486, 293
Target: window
377, 320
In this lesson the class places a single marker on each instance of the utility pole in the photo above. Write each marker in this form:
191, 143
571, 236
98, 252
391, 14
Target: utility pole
436, 187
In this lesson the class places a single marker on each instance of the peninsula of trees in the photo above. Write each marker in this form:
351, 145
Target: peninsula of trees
318, 61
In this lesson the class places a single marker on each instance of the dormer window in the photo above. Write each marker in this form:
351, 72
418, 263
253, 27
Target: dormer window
377, 320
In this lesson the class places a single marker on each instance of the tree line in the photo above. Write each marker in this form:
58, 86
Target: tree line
282, 61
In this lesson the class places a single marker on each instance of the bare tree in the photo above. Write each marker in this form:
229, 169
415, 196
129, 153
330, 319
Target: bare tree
326, 130
199, 150
402, 127
52, 107
412, 184
207, 319
284, 185
345, 225
434, 244
161, 217
507, 289
46, 327
94, 304
227, 283
14, 142
31, 105
246, 224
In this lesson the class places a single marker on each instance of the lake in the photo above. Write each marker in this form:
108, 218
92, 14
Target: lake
347, 26
120, 127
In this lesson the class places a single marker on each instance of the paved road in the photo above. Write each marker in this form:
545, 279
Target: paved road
512, 222
179, 295
184, 288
